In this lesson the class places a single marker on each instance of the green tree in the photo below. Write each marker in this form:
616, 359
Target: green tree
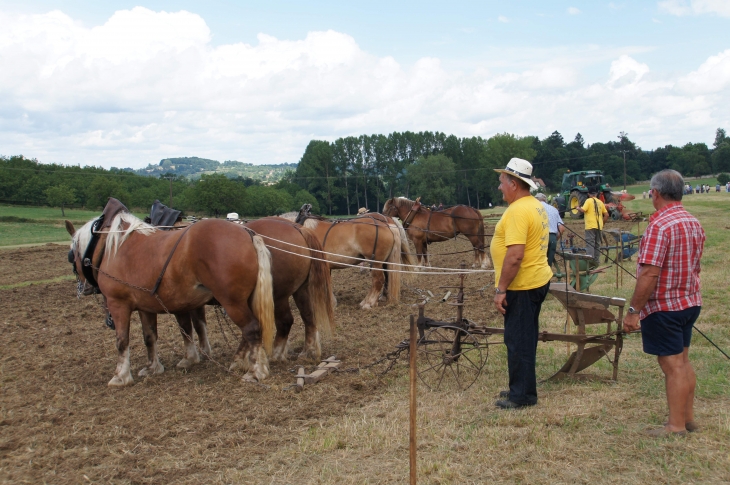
266, 201
432, 178
216, 194
723, 179
101, 188
60, 195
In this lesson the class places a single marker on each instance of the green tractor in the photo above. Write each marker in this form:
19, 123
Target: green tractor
574, 192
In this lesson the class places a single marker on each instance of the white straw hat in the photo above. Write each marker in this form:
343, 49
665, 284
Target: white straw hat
521, 169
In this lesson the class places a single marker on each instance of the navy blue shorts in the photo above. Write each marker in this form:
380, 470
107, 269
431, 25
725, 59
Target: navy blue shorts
668, 333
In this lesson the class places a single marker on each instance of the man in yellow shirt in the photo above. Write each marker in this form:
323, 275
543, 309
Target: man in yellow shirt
522, 278
595, 215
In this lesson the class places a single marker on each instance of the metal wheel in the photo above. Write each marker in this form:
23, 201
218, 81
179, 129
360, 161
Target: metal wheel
449, 359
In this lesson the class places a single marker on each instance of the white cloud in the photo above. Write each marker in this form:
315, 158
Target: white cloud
696, 7
503, 19
150, 85
573, 11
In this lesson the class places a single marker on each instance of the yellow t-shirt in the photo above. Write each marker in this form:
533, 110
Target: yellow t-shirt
524, 222
593, 222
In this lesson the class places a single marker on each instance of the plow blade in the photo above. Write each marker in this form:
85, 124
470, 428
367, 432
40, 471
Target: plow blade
588, 357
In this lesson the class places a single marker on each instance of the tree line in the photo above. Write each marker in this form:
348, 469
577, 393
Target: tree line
352, 172
29, 182
365, 171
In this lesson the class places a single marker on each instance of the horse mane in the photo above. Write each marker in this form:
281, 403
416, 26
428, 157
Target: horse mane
310, 222
403, 202
117, 233
289, 216
82, 237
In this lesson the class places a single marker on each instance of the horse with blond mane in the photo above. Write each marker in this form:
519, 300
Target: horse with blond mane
347, 242
139, 268
425, 226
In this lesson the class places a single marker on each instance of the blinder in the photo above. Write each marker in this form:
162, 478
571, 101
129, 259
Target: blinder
86, 261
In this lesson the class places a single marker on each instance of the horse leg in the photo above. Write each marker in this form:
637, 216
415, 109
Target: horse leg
200, 326
312, 347
250, 356
122, 374
386, 275
371, 299
284, 322
149, 330
420, 252
185, 324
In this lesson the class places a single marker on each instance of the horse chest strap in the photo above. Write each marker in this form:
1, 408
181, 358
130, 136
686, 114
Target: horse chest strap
164, 268
324, 240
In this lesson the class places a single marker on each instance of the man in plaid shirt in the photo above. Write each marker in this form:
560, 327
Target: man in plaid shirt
667, 296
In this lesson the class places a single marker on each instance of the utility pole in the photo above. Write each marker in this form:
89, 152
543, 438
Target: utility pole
622, 136
170, 179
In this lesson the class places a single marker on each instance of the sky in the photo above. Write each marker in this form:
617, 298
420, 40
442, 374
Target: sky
125, 84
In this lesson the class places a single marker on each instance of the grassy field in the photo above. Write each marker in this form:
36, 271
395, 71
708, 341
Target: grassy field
37, 225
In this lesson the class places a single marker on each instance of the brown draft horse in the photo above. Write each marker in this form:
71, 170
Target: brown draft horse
211, 259
425, 226
365, 238
294, 273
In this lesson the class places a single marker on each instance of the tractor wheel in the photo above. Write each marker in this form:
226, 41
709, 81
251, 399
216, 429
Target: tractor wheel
608, 196
576, 199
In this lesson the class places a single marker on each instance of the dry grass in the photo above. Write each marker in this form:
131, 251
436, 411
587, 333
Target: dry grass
59, 423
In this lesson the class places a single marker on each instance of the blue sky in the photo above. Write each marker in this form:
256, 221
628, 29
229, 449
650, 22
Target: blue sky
113, 84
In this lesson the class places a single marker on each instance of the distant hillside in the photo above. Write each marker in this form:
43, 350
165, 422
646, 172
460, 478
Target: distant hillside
194, 167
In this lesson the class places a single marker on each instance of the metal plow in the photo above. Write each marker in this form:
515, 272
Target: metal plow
451, 355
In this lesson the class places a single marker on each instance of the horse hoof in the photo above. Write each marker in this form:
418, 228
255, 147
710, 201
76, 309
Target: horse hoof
249, 377
184, 364
239, 364
120, 382
310, 356
151, 370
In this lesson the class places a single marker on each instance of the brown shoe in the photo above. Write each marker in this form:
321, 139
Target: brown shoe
664, 433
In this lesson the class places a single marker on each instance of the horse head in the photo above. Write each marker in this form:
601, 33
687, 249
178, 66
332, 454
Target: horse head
390, 208
80, 241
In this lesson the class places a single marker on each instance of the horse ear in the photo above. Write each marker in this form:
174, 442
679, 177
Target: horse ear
70, 228
418, 199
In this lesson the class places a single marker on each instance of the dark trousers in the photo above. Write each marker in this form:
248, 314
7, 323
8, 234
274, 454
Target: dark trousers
593, 242
520, 336
552, 246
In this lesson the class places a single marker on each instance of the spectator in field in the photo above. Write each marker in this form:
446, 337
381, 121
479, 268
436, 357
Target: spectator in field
556, 227
595, 216
522, 278
666, 300
727, 187
717, 188
441, 206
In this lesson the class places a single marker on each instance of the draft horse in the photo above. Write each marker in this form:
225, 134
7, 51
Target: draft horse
425, 226
297, 271
348, 241
139, 268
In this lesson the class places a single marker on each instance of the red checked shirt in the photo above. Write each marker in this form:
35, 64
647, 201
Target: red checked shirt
673, 241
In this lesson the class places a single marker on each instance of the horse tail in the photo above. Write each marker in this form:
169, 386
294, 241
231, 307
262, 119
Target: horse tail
263, 295
407, 257
485, 256
319, 286
394, 278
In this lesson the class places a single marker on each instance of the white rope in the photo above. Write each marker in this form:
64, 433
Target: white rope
415, 268
443, 271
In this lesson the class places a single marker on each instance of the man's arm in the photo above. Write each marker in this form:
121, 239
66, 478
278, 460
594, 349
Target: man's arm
645, 286
510, 267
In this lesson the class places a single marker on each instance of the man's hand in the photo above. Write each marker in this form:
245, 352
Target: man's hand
632, 322
500, 301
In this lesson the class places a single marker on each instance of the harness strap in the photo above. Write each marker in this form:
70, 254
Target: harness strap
86, 268
428, 225
164, 268
372, 258
324, 240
